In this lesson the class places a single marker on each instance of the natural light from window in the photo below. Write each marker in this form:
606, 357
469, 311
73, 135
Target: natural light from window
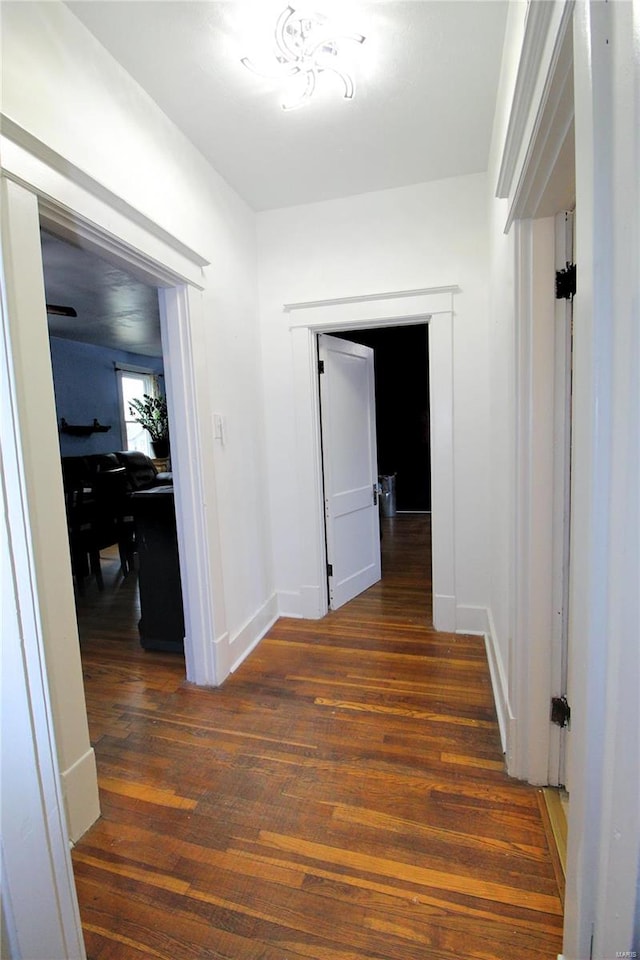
133, 386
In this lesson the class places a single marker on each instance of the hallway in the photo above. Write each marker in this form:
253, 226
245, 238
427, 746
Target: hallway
342, 796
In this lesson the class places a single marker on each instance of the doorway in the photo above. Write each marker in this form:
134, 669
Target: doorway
43, 503
106, 348
401, 471
434, 306
401, 363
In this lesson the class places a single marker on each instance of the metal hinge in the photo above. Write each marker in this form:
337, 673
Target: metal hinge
375, 494
560, 711
566, 282
320, 366
329, 569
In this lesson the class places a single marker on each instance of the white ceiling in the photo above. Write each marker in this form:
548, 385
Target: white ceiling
426, 84
425, 92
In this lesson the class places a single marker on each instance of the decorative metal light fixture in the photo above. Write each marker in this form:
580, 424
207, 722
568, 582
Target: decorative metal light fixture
305, 47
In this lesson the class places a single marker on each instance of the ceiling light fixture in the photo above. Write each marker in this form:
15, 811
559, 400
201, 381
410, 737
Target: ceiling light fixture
307, 45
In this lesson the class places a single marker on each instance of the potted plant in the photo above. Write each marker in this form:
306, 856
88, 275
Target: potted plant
151, 414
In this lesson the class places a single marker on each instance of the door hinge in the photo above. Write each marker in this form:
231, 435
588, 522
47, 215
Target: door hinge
566, 282
329, 569
320, 366
375, 494
560, 711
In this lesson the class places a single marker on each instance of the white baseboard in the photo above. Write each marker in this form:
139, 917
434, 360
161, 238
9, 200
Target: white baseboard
80, 791
250, 635
444, 612
313, 603
499, 683
471, 619
289, 604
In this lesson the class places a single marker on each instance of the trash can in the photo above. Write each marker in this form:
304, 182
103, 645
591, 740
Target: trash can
388, 495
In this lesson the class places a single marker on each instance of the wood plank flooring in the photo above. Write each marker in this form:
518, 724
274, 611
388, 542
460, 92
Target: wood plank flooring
341, 797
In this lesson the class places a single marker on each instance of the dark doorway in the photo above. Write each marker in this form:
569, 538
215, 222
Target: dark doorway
402, 409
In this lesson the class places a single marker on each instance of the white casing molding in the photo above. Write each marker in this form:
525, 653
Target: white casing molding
603, 855
35, 422
540, 124
35, 860
535, 341
542, 111
434, 306
68, 207
198, 543
29, 161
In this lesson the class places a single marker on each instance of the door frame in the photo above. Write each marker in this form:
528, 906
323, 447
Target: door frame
435, 307
75, 207
592, 47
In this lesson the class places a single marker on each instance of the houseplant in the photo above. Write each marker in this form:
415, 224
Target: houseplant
151, 414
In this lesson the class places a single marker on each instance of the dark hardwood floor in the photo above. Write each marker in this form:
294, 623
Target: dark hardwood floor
342, 796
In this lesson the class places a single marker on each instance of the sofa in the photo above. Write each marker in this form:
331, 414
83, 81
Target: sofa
141, 471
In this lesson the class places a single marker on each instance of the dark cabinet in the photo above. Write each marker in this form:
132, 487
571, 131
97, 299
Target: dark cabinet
161, 623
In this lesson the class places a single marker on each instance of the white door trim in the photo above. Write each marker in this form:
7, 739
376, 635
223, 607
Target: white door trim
32, 163
558, 736
35, 861
540, 125
76, 212
528, 749
434, 306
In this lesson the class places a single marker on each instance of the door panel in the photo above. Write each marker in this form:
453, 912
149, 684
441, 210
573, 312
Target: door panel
347, 394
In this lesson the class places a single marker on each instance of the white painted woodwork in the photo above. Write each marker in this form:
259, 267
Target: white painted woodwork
40, 916
537, 170
535, 339
350, 467
28, 342
601, 912
354, 314
603, 854
563, 361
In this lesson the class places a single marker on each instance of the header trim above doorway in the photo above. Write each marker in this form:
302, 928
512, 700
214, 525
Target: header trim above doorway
369, 297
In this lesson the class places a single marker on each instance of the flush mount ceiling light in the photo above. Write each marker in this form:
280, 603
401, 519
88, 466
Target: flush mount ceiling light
306, 46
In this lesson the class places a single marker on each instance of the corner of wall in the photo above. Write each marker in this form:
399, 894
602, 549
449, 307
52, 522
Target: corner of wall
231, 652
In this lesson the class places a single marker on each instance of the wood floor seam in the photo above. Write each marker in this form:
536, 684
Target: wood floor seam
341, 797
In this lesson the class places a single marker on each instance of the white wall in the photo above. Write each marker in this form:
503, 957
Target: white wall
502, 374
63, 88
415, 237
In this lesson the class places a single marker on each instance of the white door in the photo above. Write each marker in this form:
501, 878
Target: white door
348, 416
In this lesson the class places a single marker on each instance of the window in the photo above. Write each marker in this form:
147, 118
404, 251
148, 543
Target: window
133, 385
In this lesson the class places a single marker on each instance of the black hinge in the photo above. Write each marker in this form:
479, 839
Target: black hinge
320, 366
329, 569
566, 282
375, 494
560, 711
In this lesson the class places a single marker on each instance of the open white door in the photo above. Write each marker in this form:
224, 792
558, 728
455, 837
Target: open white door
348, 415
